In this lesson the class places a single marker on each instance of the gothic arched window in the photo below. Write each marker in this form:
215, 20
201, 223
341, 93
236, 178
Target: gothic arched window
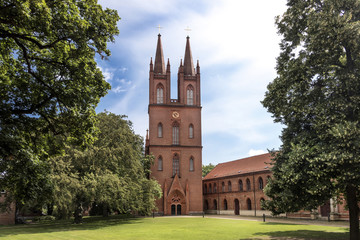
223, 187
261, 183
229, 186
225, 205
160, 94
215, 204
191, 167
176, 165
248, 203
210, 188
240, 186
214, 187
248, 185
205, 188
175, 132
190, 95
160, 130
160, 163
191, 131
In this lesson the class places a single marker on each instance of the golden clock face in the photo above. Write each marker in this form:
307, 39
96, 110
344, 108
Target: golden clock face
175, 114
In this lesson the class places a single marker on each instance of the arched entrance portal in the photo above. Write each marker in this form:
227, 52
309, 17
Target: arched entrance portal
175, 209
237, 207
176, 204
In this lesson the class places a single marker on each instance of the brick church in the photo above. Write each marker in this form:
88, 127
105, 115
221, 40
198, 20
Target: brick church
174, 136
174, 139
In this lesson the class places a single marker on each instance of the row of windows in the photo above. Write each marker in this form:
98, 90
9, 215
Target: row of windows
160, 94
175, 132
240, 186
175, 164
225, 204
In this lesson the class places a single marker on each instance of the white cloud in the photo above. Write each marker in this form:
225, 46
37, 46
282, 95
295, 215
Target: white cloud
107, 73
254, 152
118, 89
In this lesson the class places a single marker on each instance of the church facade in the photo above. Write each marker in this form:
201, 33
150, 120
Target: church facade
174, 136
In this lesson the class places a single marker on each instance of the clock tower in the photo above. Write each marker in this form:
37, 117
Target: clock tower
174, 137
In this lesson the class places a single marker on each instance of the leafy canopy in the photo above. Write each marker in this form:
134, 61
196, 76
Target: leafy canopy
316, 96
206, 169
110, 173
49, 83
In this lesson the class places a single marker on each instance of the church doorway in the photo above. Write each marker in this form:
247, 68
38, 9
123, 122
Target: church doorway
175, 209
178, 210
325, 209
237, 207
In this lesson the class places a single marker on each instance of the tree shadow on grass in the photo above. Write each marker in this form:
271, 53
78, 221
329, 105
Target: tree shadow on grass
304, 234
91, 223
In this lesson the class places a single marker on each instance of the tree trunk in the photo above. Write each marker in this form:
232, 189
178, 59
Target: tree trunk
78, 214
105, 210
353, 211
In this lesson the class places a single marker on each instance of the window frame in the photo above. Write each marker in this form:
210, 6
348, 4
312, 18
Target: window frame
160, 94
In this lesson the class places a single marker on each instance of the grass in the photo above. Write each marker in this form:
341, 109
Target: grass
192, 228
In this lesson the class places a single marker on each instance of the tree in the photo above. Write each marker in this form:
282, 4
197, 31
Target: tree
316, 96
206, 169
50, 84
112, 173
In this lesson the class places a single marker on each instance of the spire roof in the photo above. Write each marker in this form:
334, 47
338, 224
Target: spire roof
159, 58
188, 60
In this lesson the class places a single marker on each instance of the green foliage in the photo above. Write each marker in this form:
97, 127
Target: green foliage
49, 84
316, 96
206, 169
109, 173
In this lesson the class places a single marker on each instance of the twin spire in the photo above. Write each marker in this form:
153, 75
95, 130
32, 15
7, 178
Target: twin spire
159, 67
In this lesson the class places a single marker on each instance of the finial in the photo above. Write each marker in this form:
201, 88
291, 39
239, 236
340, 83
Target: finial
159, 28
180, 62
151, 63
147, 133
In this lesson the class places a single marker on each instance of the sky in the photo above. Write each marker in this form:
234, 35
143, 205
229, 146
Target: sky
236, 43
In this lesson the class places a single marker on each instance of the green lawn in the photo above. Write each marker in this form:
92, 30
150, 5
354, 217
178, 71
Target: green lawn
170, 228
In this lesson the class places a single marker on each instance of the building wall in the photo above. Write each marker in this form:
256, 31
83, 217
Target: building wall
7, 218
336, 211
254, 195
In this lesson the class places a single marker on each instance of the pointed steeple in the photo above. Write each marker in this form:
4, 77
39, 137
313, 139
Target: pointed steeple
188, 60
159, 58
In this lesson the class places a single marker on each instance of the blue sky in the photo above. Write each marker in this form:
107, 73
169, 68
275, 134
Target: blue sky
236, 43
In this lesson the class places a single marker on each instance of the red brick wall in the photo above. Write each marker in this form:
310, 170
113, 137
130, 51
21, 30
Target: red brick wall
7, 218
235, 193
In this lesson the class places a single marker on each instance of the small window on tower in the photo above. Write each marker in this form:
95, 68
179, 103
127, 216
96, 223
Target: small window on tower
176, 165
190, 95
191, 131
160, 94
191, 164
175, 132
160, 130
160, 163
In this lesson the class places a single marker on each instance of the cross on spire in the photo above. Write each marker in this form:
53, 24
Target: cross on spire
187, 29
159, 28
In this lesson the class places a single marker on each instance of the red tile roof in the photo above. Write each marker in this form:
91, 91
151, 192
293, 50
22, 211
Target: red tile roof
245, 165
